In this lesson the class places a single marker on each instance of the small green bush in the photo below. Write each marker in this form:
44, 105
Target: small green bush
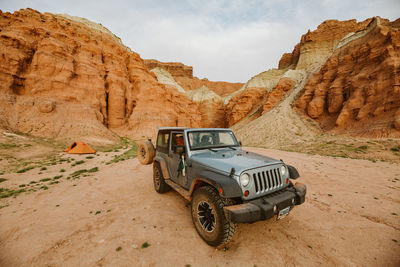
25, 169
395, 149
145, 245
95, 169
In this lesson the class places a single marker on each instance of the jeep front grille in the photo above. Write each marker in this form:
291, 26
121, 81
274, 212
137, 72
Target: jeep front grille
267, 180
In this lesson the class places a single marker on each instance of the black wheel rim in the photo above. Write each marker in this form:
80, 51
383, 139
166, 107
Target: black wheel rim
157, 180
206, 216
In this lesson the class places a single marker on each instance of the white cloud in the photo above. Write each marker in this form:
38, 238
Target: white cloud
229, 40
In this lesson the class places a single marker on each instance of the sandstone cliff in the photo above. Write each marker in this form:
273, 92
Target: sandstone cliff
183, 75
312, 51
208, 97
352, 71
316, 46
249, 98
211, 108
61, 77
357, 90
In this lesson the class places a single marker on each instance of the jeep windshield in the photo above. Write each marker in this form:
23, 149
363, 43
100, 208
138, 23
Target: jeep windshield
211, 139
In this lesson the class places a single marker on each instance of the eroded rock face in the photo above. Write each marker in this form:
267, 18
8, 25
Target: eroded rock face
251, 96
397, 119
284, 85
357, 89
45, 105
90, 76
176, 69
316, 46
211, 108
183, 75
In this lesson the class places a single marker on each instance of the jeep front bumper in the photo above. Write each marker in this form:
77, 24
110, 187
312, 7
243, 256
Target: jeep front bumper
263, 208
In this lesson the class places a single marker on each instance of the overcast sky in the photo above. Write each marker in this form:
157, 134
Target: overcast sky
223, 40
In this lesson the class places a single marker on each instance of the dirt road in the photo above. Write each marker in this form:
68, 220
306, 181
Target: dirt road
351, 217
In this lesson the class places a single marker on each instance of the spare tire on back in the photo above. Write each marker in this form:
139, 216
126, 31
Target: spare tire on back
146, 152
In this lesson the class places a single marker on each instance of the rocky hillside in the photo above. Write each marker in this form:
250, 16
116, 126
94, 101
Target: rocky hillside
259, 94
357, 90
349, 84
209, 97
62, 76
183, 75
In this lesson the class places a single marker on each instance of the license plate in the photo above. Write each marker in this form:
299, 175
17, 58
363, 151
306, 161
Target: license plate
283, 213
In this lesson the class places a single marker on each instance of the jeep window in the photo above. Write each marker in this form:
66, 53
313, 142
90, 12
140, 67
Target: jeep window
162, 142
211, 139
177, 143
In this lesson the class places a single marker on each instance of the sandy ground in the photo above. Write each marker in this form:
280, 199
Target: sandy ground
351, 217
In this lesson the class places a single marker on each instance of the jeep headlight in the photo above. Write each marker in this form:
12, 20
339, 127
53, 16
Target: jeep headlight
244, 179
283, 170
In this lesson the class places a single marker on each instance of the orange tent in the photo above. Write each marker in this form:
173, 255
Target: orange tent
80, 148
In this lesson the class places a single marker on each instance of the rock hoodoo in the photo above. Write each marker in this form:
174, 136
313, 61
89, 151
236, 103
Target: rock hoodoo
357, 90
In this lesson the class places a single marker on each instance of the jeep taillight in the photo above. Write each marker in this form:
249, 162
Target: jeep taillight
246, 193
287, 180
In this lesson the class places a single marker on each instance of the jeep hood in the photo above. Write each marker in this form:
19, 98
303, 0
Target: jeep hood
225, 160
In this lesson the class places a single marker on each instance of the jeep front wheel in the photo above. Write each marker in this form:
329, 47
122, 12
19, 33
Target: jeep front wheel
209, 218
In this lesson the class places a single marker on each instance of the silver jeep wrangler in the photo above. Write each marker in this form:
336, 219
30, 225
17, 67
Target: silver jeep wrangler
225, 184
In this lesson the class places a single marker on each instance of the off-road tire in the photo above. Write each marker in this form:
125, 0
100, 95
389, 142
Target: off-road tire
223, 229
146, 152
159, 184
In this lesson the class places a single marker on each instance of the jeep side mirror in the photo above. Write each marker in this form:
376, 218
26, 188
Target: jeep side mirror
240, 143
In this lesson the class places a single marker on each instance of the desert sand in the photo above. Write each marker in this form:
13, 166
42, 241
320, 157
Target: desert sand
350, 217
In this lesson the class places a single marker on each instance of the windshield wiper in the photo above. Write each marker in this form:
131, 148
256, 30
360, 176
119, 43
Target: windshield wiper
213, 150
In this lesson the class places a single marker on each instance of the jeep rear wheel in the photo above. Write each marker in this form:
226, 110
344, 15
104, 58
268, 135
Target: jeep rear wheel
209, 218
159, 184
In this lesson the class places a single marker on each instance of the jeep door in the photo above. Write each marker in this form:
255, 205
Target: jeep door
176, 157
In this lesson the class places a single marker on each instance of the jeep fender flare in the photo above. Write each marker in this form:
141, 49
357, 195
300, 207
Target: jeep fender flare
230, 188
293, 173
163, 166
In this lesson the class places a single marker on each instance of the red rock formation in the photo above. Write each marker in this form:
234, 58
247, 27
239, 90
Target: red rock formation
277, 94
316, 46
60, 76
243, 104
220, 88
176, 69
211, 108
184, 76
358, 89
289, 60
251, 97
